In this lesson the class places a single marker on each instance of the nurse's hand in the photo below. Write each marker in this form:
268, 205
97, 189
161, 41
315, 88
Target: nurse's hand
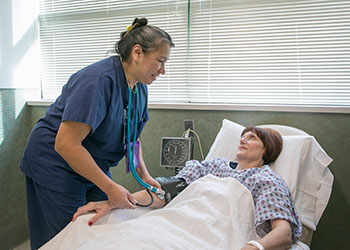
100, 207
118, 197
151, 181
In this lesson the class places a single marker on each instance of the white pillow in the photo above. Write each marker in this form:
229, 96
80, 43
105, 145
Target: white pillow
227, 141
302, 164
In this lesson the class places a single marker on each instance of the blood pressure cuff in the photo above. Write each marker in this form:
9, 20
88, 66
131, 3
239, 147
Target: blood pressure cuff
172, 186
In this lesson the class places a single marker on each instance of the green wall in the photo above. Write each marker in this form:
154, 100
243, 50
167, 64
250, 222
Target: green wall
15, 125
331, 131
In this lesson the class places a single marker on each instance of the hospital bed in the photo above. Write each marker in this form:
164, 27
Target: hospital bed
213, 213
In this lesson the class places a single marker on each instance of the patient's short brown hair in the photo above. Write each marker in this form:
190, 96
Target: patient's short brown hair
271, 139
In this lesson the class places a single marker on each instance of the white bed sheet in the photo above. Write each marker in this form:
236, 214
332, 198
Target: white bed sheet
212, 213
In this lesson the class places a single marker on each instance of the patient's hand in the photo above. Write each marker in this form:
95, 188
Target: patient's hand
143, 197
249, 247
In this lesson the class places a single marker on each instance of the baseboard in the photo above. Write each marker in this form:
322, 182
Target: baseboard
14, 237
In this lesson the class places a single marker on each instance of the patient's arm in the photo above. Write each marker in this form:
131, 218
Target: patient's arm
279, 238
143, 198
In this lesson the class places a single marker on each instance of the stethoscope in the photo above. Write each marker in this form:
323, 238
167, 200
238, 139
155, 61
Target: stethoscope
160, 193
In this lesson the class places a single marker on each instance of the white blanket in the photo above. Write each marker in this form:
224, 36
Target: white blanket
212, 213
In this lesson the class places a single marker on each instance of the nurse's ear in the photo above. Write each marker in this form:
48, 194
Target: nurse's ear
137, 53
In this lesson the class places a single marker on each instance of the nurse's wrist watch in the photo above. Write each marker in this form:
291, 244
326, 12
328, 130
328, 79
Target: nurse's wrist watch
256, 244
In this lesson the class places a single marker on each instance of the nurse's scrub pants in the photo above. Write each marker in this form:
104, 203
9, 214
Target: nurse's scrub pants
49, 211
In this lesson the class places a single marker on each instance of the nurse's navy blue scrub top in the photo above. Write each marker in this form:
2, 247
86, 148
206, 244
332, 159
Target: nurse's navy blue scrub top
96, 95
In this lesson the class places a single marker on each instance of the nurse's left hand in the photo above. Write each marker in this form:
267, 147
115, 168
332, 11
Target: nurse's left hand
100, 207
151, 181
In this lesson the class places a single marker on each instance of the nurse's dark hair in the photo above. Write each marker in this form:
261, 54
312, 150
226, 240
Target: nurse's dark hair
271, 139
147, 36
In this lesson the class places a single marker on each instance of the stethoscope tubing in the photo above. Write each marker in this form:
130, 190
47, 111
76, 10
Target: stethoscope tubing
131, 157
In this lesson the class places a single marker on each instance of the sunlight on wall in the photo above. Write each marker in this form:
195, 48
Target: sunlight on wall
1, 121
21, 98
0, 53
27, 72
20, 102
24, 13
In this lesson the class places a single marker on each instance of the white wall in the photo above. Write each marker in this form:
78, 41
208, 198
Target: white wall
19, 44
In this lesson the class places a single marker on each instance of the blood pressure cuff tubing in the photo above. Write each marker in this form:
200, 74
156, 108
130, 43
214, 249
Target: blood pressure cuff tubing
172, 186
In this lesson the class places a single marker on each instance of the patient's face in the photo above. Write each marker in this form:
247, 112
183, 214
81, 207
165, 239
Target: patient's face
250, 147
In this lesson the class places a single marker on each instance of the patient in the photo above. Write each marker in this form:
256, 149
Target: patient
275, 217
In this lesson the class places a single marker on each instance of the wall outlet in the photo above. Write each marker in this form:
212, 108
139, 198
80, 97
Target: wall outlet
189, 124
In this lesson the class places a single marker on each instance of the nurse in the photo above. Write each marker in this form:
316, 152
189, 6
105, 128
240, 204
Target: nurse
83, 133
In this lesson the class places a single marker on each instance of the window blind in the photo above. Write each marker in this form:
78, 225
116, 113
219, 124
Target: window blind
74, 34
226, 51
270, 52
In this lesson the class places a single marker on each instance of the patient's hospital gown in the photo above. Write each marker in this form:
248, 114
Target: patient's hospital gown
270, 193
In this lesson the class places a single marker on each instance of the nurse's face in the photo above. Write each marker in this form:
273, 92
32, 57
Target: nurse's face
152, 64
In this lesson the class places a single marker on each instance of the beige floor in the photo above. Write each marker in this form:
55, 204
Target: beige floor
24, 246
